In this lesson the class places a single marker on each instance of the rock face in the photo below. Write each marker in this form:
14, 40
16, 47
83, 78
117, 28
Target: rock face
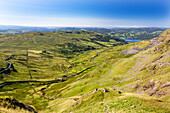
151, 66
151, 43
105, 90
133, 50
13, 103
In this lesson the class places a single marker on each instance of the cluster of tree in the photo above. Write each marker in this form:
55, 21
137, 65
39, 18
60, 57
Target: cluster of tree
72, 48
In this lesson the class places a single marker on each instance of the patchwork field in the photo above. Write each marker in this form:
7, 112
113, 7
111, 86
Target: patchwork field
83, 71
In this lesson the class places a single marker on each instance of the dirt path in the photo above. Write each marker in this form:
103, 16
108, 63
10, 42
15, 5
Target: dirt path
107, 107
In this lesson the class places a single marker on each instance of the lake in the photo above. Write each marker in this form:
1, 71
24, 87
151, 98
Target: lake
132, 40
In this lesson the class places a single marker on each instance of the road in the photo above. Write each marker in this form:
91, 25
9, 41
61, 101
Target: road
52, 81
9, 64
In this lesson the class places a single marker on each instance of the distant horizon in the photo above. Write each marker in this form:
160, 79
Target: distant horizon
85, 13
89, 26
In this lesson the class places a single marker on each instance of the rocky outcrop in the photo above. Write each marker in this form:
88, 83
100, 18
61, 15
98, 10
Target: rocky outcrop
133, 50
151, 43
13, 103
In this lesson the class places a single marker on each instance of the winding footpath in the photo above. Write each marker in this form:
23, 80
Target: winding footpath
107, 110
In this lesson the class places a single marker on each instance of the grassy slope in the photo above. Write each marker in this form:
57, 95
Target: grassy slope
57, 47
129, 74
145, 73
60, 40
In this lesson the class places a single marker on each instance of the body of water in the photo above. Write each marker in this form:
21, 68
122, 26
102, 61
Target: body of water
132, 40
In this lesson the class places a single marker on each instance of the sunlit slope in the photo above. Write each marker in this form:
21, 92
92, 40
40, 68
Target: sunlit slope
143, 75
128, 78
148, 71
66, 42
48, 52
122, 83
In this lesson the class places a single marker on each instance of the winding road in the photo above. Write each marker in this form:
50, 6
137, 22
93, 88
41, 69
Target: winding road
52, 81
29, 108
9, 64
92, 62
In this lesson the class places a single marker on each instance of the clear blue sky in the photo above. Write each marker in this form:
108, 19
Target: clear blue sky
99, 13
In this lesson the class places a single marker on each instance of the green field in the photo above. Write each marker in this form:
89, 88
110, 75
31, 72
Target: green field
102, 73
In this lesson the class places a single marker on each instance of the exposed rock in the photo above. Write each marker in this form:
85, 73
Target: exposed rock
160, 93
131, 51
13, 103
34, 70
29, 108
150, 84
134, 106
105, 90
166, 84
159, 100
119, 92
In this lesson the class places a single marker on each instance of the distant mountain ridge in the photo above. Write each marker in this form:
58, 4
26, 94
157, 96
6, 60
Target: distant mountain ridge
126, 33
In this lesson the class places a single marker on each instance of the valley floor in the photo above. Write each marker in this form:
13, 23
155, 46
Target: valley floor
131, 78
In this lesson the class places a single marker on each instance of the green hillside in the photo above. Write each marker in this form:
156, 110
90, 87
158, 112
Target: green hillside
49, 52
101, 77
67, 42
122, 33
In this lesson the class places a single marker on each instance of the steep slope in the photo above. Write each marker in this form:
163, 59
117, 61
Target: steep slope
146, 73
120, 82
150, 70
126, 73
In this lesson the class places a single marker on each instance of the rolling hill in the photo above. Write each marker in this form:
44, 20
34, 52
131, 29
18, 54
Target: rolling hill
123, 33
61, 41
102, 76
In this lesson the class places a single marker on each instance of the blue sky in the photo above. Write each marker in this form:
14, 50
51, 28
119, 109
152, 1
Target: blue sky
86, 13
